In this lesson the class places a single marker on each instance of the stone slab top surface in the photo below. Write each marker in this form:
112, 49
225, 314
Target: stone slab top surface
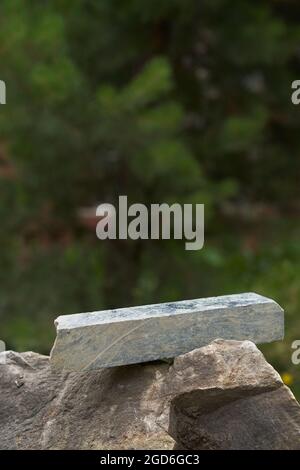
167, 309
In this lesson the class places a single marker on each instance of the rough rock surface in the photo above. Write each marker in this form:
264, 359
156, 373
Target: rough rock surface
224, 395
243, 405
105, 409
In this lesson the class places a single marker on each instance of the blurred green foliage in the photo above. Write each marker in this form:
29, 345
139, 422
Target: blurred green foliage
162, 101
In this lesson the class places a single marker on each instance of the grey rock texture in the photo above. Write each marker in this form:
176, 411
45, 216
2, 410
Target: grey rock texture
104, 409
241, 405
224, 395
133, 335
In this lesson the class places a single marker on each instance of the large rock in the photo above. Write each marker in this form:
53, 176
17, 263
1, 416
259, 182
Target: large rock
221, 392
88, 341
104, 409
242, 403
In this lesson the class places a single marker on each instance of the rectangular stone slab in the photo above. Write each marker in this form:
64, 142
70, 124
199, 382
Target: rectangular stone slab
95, 340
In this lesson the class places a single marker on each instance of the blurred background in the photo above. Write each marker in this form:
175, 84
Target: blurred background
162, 101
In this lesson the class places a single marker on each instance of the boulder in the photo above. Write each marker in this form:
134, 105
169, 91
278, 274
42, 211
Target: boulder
242, 403
224, 395
105, 409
